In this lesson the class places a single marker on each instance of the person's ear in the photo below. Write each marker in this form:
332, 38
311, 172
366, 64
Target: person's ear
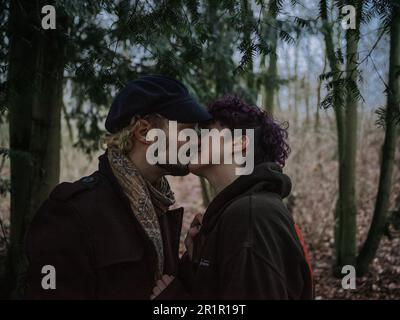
140, 130
240, 144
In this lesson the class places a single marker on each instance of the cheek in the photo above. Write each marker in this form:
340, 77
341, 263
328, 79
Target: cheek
216, 150
180, 143
206, 149
221, 150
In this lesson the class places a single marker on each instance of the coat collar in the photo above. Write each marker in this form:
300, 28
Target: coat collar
105, 170
171, 220
266, 176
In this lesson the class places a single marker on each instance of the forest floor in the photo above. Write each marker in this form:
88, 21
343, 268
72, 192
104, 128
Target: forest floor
312, 167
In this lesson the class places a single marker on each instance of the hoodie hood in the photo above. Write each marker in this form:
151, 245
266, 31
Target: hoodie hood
267, 177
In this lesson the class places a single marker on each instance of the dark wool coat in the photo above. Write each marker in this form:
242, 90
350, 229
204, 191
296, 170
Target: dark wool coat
87, 231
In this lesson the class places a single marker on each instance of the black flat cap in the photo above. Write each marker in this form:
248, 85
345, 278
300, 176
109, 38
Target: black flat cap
154, 94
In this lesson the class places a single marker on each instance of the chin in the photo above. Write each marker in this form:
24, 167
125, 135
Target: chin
198, 169
177, 170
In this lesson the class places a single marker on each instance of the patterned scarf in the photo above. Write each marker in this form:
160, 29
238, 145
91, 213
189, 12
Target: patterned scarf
147, 201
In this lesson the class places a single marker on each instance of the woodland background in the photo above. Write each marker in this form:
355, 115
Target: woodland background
338, 89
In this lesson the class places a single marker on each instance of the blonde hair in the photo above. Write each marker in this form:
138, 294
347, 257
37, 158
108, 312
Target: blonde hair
123, 139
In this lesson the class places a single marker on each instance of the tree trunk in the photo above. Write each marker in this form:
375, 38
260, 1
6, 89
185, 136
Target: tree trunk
335, 69
289, 85
278, 105
249, 77
307, 83
347, 250
46, 119
271, 75
296, 87
35, 91
271, 81
317, 113
307, 98
23, 83
371, 244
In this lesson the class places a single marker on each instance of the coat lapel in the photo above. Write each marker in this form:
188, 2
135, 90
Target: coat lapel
170, 224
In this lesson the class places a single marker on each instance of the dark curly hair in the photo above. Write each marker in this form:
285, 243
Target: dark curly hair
270, 136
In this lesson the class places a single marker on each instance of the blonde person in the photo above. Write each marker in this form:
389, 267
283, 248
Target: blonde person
111, 235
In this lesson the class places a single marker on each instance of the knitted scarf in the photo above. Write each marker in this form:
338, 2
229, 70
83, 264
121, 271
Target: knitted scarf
147, 201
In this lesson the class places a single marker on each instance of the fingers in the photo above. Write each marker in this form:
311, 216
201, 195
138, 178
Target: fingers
161, 285
199, 217
195, 225
197, 220
156, 291
166, 279
190, 236
193, 232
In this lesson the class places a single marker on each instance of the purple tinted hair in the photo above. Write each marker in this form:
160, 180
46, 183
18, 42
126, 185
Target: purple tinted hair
270, 136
